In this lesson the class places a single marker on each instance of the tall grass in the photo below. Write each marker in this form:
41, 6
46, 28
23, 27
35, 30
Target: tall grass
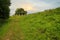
39, 26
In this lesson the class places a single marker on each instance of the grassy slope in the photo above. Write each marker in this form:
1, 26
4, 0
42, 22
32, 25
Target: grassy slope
41, 26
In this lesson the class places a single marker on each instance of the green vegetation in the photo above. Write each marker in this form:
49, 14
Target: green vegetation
39, 26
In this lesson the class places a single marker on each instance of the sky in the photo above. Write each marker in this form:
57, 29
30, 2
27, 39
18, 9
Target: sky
32, 6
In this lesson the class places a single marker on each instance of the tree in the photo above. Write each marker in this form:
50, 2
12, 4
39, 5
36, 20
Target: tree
20, 11
4, 9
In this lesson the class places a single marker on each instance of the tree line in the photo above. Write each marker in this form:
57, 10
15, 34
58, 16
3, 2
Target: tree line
20, 11
5, 10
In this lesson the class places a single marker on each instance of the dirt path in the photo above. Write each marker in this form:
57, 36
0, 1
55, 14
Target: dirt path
14, 32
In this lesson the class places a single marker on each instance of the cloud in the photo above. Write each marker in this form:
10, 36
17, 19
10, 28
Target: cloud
33, 5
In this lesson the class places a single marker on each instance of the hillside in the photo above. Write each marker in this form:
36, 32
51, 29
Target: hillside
39, 26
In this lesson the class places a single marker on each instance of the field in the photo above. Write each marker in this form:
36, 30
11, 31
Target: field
38, 26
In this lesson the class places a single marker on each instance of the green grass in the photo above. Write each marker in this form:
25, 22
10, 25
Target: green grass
39, 26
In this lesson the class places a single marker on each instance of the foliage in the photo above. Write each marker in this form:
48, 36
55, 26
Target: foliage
20, 11
39, 26
4, 8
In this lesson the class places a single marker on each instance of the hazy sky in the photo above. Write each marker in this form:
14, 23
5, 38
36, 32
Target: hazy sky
33, 5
